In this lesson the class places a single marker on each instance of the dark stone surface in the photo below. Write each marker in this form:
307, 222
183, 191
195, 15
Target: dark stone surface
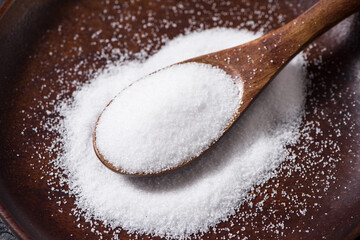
5, 232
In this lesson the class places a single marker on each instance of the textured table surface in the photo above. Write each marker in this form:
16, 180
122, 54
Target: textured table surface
5, 233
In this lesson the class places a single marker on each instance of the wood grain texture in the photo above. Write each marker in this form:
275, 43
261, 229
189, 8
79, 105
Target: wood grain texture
328, 190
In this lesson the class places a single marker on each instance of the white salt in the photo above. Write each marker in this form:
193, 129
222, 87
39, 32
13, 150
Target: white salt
201, 194
167, 118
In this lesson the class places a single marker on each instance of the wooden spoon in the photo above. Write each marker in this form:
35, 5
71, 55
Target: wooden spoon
256, 63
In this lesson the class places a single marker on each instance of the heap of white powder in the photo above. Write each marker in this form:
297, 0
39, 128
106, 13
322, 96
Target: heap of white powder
167, 118
203, 193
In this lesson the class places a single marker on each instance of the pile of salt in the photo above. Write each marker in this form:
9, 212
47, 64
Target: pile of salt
195, 197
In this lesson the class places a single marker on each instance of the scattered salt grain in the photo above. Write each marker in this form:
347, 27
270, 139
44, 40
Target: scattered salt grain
202, 194
167, 118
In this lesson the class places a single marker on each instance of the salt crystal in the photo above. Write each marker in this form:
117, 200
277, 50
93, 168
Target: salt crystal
167, 118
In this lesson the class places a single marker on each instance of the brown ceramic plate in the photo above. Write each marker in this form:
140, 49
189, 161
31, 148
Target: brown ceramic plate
315, 197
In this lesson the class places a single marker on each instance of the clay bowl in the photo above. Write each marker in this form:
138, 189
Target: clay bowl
316, 197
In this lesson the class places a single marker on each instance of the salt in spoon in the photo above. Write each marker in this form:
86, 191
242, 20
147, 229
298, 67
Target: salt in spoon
254, 64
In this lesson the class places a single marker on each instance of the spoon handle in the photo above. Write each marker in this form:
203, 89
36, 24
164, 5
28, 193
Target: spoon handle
281, 45
287, 41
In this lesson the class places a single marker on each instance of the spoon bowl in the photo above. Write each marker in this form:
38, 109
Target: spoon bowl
254, 64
